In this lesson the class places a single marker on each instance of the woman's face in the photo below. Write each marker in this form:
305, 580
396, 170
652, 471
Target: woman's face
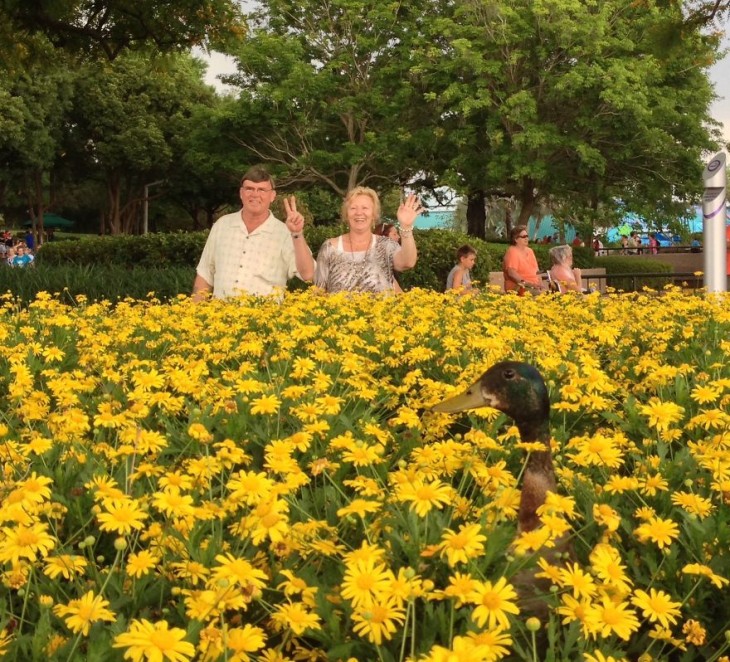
393, 234
361, 213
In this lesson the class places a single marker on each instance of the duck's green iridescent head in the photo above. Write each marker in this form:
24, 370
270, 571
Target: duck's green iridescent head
515, 388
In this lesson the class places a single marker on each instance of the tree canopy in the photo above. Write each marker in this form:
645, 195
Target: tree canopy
111, 26
327, 93
582, 109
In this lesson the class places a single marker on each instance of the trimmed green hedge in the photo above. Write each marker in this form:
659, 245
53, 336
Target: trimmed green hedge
151, 250
617, 265
103, 281
436, 248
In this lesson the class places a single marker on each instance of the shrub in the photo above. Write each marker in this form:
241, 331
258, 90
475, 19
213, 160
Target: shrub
617, 265
151, 250
436, 253
100, 281
436, 250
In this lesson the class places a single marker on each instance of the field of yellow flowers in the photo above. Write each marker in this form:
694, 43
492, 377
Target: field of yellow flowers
264, 480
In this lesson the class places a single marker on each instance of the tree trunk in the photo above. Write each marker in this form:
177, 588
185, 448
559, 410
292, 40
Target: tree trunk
476, 215
114, 221
195, 215
528, 202
508, 209
39, 229
36, 203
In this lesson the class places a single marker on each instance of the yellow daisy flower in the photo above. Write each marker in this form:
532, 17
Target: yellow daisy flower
81, 614
493, 603
154, 641
657, 606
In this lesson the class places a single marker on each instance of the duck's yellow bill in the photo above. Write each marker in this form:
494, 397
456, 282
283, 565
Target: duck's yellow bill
469, 399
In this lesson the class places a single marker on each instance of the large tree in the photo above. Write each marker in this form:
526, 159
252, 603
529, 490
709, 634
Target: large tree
585, 102
125, 118
209, 163
35, 106
327, 93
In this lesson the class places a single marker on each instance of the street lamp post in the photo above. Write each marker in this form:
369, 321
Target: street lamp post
145, 209
713, 221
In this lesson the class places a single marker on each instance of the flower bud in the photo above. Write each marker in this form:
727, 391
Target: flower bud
533, 624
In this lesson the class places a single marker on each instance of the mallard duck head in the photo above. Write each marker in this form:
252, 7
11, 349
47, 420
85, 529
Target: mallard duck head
515, 388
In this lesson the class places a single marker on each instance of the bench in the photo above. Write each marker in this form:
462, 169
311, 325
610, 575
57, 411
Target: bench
496, 279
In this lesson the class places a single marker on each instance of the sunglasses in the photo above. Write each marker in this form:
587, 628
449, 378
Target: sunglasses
522, 236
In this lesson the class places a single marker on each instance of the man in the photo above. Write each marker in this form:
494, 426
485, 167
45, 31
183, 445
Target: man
251, 251
634, 243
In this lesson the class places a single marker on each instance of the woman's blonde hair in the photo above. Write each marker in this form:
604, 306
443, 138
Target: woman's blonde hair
361, 190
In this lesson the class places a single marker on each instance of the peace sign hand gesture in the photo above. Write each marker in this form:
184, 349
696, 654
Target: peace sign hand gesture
409, 209
294, 219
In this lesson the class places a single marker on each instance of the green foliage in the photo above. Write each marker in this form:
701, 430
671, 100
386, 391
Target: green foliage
110, 26
617, 265
436, 254
125, 119
327, 92
101, 281
151, 250
568, 104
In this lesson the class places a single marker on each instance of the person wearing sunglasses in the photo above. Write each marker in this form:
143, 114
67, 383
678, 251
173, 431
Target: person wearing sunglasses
520, 264
251, 251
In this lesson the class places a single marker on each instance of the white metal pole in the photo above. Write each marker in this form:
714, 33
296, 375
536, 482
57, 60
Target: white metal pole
713, 223
145, 206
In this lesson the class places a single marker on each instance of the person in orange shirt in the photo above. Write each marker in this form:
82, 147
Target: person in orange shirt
520, 264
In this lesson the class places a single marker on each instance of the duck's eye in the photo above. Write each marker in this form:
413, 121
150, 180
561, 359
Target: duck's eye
509, 374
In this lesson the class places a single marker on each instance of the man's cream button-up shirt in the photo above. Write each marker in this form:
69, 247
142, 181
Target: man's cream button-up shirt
237, 262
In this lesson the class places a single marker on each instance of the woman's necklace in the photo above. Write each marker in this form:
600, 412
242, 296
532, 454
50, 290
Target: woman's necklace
367, 250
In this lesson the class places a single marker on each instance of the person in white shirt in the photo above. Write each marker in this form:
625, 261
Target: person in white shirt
251, 251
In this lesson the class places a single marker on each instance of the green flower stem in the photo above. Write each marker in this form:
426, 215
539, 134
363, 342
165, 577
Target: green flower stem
721, 650
74, 647
413, 630
405, 633
26, 596
534, 646
117, 558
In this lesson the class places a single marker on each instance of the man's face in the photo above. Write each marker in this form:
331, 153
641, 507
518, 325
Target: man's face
257, 196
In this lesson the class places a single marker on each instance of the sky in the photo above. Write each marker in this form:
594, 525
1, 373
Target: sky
720, 75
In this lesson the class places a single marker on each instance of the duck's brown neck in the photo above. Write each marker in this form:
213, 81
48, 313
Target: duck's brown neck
539, 476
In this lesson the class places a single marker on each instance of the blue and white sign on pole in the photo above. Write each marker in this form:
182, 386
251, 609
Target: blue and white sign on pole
713, 222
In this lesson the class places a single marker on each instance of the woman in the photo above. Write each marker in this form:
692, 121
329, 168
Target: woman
387, 230
562, 271
360, 261
390, 231
520, 264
